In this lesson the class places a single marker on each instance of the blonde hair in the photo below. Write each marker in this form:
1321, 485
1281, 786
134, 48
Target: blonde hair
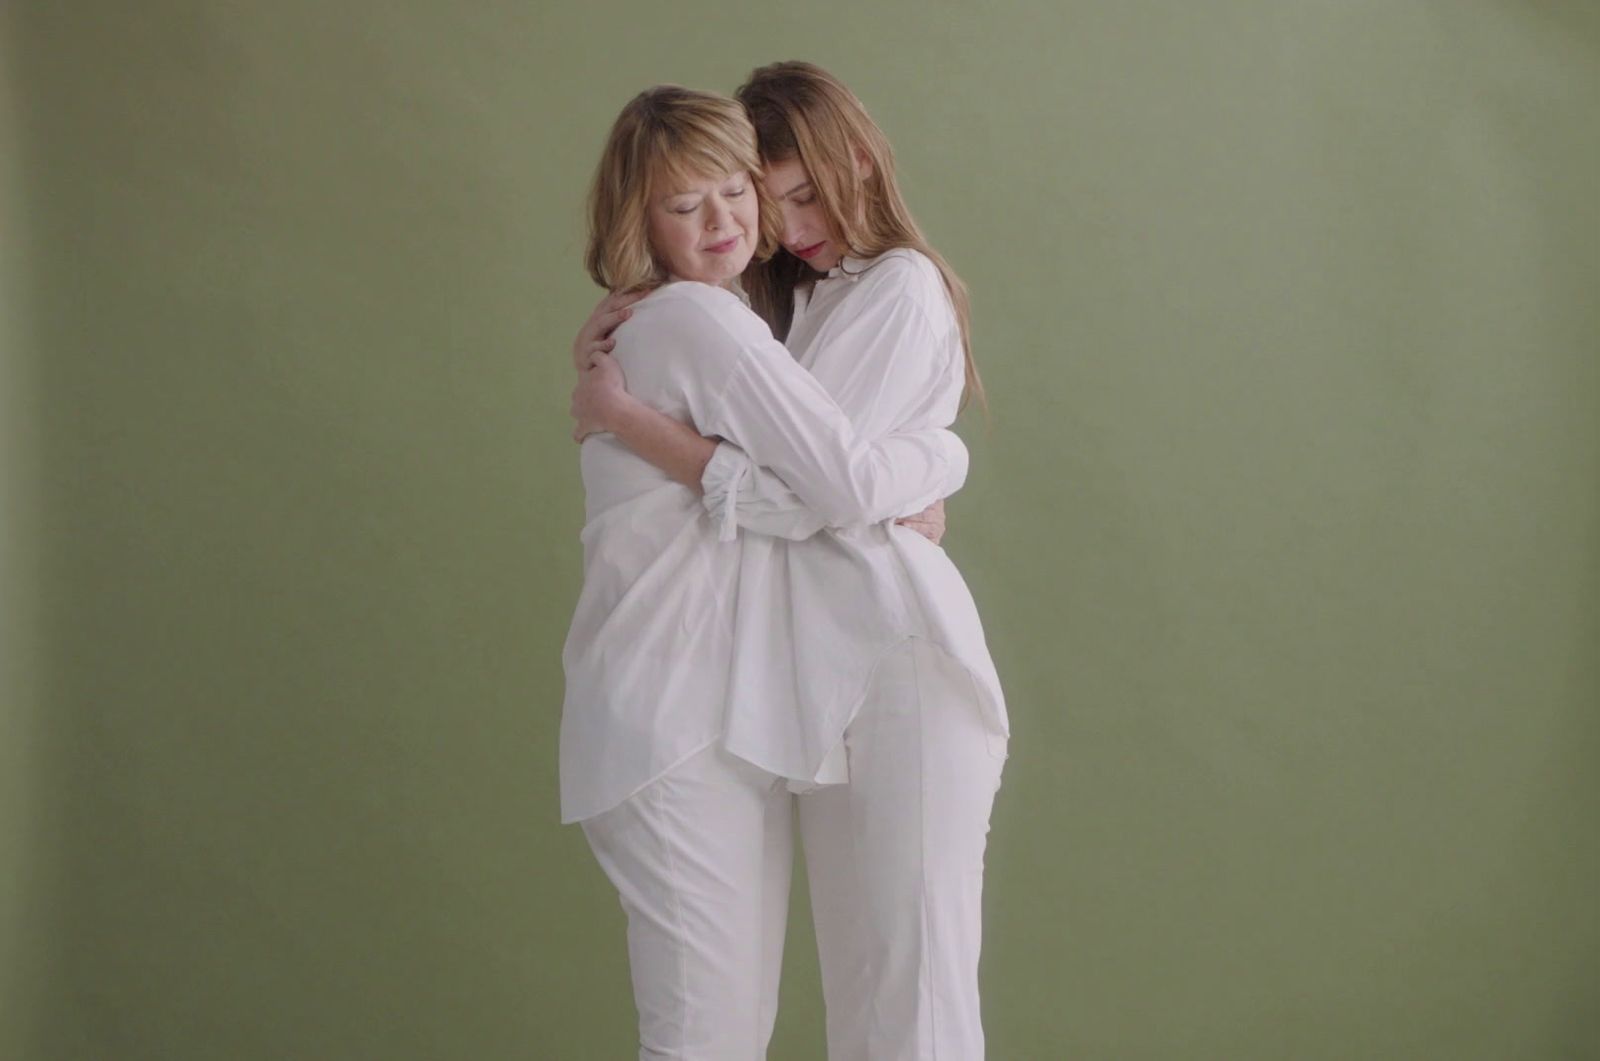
664, 134
801, 111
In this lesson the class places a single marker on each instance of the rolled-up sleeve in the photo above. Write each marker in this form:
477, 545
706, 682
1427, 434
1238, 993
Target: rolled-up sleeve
740, 493
786, 422
956, 462
743, 386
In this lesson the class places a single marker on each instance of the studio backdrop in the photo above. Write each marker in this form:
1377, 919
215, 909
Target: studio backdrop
1283, 521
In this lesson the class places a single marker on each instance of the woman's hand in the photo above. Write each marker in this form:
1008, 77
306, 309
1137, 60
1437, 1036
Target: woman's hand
929, 522
595, 335
600, 395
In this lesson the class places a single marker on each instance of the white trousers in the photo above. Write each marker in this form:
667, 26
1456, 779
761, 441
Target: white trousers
895, 863
702, 857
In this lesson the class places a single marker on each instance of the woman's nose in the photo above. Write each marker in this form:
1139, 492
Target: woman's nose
792, 230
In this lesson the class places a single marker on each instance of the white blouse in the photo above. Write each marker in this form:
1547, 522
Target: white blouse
649, 655
816, 615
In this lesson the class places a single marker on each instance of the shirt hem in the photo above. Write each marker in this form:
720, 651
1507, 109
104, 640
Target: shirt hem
572, 818
991, 714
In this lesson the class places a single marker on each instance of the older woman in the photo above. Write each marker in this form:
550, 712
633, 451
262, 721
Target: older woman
696, 839
877, 695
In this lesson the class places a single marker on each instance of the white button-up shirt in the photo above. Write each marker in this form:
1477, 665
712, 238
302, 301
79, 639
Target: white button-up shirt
816, 615
649, 656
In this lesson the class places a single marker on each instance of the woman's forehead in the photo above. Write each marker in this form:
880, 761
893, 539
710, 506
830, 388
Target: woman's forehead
684, 177
782, 176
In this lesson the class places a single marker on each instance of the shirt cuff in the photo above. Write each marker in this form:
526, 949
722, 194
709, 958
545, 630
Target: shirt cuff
720, 481
955, 455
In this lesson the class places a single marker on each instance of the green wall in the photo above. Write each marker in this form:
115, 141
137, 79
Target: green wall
22, 944
1285, 529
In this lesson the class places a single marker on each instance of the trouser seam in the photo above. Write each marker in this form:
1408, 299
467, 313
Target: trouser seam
925, 970
856, 1026
676, 890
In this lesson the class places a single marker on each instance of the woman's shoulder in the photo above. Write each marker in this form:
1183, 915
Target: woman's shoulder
899, 268
702, 314
901, 260
692, 299
902, 273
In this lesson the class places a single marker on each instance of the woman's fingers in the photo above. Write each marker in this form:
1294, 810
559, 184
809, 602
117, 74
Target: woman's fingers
929, 522
611, 320
593, 328
585, 358
617, 308
606, 370
595, 349
598, 329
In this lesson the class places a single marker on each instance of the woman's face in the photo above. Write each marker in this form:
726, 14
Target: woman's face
806, 232
705, 228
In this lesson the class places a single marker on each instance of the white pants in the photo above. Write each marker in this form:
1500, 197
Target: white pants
895, 861
701, 859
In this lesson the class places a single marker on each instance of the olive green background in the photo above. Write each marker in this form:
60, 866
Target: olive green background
1286, 530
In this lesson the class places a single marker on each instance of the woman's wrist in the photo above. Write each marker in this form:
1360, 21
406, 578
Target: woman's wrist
622, 413
671, 445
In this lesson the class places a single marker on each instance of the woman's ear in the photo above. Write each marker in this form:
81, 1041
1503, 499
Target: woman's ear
863, 164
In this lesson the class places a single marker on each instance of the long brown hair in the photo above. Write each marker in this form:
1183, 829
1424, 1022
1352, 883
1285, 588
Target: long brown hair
664, 133
801, 111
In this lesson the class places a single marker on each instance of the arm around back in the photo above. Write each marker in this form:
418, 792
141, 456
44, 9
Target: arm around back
750, 391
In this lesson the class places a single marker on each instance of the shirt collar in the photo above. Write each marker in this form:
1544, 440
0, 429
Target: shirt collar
849, 268
733, 286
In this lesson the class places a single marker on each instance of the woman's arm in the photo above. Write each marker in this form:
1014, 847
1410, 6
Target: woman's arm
601, 402
718, 361
760, 500
744, 493
785, 420
740, 489
594, 337
893, 357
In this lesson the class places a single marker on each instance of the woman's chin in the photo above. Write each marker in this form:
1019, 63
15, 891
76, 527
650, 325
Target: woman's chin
723, 277
735, 267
